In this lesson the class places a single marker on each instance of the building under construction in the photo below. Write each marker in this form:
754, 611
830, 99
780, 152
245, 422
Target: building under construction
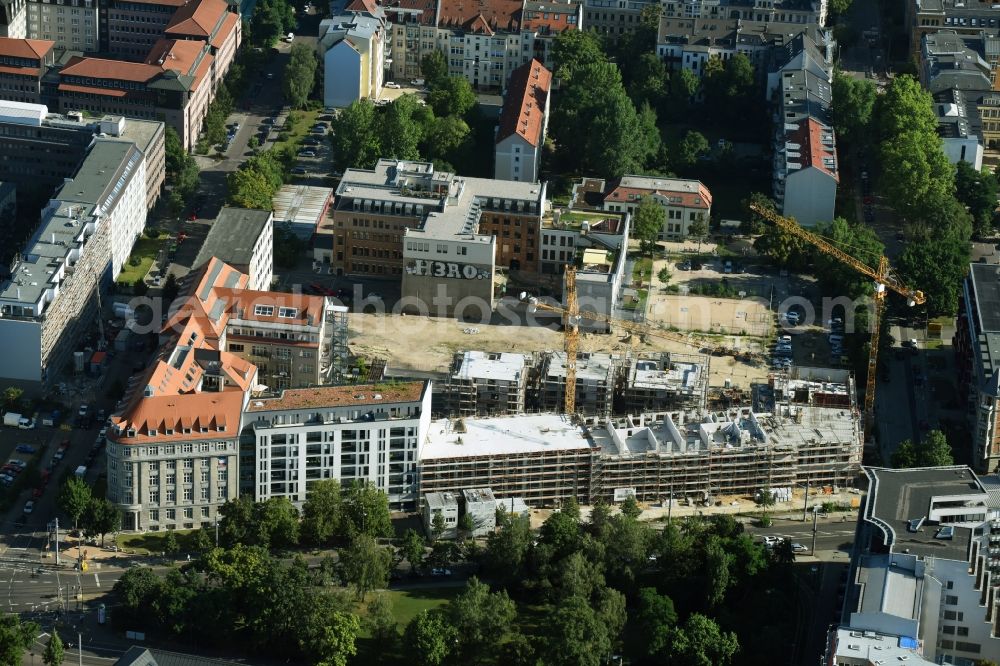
596, 379
663, 381
486, 384
815, 387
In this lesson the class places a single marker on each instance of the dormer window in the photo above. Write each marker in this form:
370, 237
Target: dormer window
130, 432
203, 429
148, 391
287, 313
170, 431
221, 428
263, 310
187, 431
152, 432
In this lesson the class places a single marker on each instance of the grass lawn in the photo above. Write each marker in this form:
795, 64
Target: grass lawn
145, 250
151, 543
639, 305
407, 604
297, 132
642, 270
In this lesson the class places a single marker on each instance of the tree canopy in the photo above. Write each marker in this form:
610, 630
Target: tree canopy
933, 450
300, 74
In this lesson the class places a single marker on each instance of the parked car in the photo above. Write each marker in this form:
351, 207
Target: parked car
25, 448
307, 153
440, 572
393, 85
299, 171
798, 548
29, 506
727, 267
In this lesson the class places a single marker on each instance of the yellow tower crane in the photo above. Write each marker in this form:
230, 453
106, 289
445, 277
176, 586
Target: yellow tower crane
571, 334
883, 276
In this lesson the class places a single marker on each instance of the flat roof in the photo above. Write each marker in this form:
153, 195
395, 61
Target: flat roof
593, 366
301, 204
526, 433
872, 647
897, 496
478, 495
504, 366
233, 235
340, 396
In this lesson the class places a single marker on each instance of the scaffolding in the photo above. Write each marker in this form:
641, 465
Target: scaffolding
597, 376
486, 383
663, 381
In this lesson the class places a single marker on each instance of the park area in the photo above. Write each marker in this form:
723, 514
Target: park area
144, 253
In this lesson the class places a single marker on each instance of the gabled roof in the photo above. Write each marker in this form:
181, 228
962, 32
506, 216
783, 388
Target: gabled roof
817, 147
362, 6
687, 193
198, 18
524, 105
186, 57
504, 15
25, 48
116, 70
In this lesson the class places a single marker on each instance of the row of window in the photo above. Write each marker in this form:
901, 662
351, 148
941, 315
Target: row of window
171, 514
170, 495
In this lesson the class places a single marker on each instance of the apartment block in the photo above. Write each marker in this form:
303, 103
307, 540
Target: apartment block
244, 239
72, 24
486, 383
84, 238
443, 234
14, 19
39, 150
366, 432
352, 47
596, 377
481, 507
920, 586
966, 17
806, 170
542, 459
444, 505
683, 201
484, 42
524, 121
23, 63
665, 381
977, 353
955, 71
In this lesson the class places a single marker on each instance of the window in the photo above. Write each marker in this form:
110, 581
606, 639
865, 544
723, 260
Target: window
188, 495
171, 495
205, 511
287, 313
962, 646
951, 600
263, 310
154, 515
154, 496
171, 514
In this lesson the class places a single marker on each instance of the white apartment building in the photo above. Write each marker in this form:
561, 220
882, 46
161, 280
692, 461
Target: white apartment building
244, 239
366, 432
84, 239
352, 48
524, 121
71, 24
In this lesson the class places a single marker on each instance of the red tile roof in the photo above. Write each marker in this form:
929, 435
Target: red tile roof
25, 48
198, 18
90, 90
813, 152
21, 71
117, 70
228, 25
424, 10
496, 14
524, 106
551, 16
190, 411
188, 57
696, 197
362, 6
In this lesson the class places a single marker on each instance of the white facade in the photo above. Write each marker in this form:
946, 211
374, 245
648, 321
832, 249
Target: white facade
352, 49
346, 434
517, 159
968, 148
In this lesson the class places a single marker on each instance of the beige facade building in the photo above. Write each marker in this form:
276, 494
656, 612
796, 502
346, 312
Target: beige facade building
71, 24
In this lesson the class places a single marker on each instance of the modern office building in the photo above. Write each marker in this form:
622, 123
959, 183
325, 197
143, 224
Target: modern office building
921, 585
23, 63
244, 239
365, 432
84, 238
443, 234
977, 352
524, 121
683, 201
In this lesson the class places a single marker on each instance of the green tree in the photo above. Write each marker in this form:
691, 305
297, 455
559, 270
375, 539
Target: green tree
692, 146
300, 75
718, 571
337, 645
647, 224
728, 87
858, 240
480, 618
428, 639
74, 499
507, 548
16, 638
203, 541
571, 508
444, 136
412, 549
572, 49
53, 655
682, 87
103, 516
626, 545
840, 7
355, 136
12, 397
366, 510
366, 565
173, 151
698, 229
437, 526
248, 188
852, 107
577, 635
933, 450
977, 190
277, 523
561, 532
650, 81
170, 544
401, 130
655, 617
700, 642
272, 19
321, 512
381, 622
938, 266
452, 96
434, 67
630, 508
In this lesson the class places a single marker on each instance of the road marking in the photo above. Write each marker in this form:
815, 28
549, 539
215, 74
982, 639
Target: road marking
97, 580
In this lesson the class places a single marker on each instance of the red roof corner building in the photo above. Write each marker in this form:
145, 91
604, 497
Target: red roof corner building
523, 123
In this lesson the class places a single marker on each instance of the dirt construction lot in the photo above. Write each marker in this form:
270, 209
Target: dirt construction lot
428, 344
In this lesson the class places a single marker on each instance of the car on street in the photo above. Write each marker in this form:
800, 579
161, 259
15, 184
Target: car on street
393, 85
299, 171
29, 506
727, 267
771, 541
307, 153
25, 448
798, 548
440, 572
